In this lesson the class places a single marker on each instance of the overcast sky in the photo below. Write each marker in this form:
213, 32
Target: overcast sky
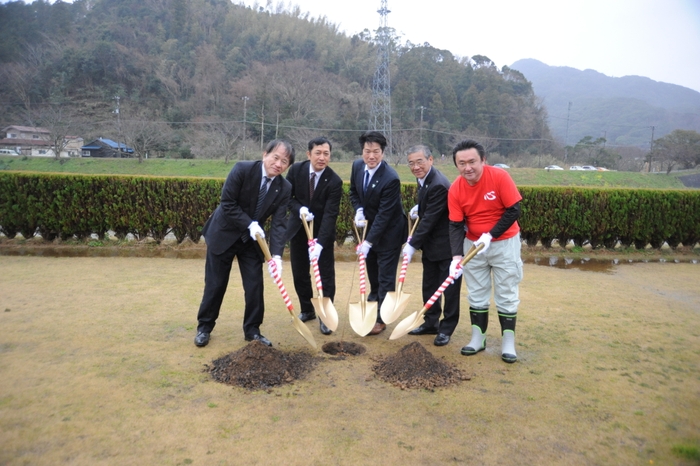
658, 39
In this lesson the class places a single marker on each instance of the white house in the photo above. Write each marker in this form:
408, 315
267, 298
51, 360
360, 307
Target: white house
35, 141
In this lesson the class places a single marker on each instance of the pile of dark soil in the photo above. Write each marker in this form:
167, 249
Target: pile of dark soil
343, 348
415, 367
257, 366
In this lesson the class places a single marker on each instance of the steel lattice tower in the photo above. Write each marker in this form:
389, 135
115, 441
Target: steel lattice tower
380, 114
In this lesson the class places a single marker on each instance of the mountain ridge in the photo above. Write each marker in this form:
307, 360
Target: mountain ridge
625, 110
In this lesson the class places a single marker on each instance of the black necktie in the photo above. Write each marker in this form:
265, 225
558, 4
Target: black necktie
312, 185
261, 198
364, 188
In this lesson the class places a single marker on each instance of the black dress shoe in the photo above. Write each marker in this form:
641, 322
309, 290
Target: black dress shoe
259, 338
324, 330
424, 330
307, 316
441, 339
201, 339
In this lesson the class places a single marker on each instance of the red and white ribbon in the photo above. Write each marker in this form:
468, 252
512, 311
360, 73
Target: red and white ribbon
280, 285
317, 275
404, 264
448, 281
362, 274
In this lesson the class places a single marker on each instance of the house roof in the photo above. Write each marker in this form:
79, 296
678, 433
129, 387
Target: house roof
28, 129
94, 145
24, 142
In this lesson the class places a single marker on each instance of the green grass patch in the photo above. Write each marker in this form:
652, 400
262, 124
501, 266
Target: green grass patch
219, 169
688, 452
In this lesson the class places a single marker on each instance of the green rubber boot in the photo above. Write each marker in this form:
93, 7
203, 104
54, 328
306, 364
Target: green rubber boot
508, 343
480, 322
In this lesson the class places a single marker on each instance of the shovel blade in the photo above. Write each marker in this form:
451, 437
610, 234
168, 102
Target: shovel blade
393, 306
326, 312
303, 330
388, 306
407, 324
362, 323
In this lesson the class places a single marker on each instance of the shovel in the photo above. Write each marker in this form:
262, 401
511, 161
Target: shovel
395, 302
414, 320
298, 324
363, 315
323, 306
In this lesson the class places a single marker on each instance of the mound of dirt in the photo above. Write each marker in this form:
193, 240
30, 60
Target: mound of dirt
415, 367
257, 366
343, 348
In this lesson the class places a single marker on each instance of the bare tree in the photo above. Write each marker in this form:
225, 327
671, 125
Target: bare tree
401, 140
215, 139
143, 135
300, 137
61, 122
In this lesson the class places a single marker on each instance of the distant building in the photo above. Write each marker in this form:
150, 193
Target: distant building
36, 142
103, 147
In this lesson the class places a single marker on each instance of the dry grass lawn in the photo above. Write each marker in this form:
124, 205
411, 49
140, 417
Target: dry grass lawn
98, 366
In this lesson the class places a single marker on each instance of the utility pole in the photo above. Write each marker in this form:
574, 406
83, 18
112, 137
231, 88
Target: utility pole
566, 139
651, 148
277, 124
245, 101
119, 126
421, 124
262, 125
380, 114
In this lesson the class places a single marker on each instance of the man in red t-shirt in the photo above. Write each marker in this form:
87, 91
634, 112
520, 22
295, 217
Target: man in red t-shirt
486, 199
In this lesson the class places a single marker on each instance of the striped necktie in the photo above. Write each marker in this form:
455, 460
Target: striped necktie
261, 198
312, 185
366, 184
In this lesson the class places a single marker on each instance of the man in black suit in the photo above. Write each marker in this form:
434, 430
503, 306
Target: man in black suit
316, 193
432, 236
375, 193
253, 191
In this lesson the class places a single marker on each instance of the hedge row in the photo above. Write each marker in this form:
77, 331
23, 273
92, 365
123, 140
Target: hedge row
75, 205
637, 217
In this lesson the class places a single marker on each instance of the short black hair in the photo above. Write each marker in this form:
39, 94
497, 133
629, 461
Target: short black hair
468, 144
288, 148
373, 136
319, 141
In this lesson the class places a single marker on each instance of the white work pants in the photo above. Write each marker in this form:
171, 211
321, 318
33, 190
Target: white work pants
502, 262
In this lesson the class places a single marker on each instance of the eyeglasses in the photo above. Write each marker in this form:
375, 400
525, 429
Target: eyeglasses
419, 163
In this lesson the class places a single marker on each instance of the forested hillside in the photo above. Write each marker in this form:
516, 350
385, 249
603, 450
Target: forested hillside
621, 110
209, 78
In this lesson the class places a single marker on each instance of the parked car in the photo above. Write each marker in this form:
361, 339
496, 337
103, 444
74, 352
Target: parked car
553, 167
602, 169
8, 152
500, 165
575, 167
589, 167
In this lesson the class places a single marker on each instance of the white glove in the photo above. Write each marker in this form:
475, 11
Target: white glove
484, 239
277, 261
254, 229
409, 250
305, 214
456, 268
364, 248
414, 212
315, 250
360, 220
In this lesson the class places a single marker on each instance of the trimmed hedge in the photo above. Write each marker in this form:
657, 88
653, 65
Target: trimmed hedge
69, 206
